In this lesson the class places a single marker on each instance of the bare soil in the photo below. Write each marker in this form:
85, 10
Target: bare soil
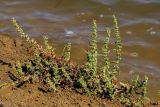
29, 95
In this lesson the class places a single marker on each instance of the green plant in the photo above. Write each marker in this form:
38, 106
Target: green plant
135, 93
87, 78
47, 46
107, 78
49, 50
144, 87
55, 73
118, 46
66, 52
106, 51
92, 53
24, 35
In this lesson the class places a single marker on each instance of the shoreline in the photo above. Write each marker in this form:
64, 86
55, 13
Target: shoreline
17, 49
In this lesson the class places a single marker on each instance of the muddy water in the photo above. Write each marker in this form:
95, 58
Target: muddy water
70, 21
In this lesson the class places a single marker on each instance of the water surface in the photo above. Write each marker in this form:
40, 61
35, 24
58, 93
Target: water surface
70, 21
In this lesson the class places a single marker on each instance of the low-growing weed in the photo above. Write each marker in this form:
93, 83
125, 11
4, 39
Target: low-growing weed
55, 73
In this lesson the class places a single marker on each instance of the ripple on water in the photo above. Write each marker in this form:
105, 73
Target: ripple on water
69, 33
145, 67
139, 22
106, 2
19, 2
134, 54
146, 1
137, 43
49, 16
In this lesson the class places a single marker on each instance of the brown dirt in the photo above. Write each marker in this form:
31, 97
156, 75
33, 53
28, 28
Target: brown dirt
15, 49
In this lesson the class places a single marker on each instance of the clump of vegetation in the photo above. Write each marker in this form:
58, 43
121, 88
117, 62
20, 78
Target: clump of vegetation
54, 73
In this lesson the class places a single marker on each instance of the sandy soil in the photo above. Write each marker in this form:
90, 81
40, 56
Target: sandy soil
29, 95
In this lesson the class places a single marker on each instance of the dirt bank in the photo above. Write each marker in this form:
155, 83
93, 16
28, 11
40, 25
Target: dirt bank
15, 49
